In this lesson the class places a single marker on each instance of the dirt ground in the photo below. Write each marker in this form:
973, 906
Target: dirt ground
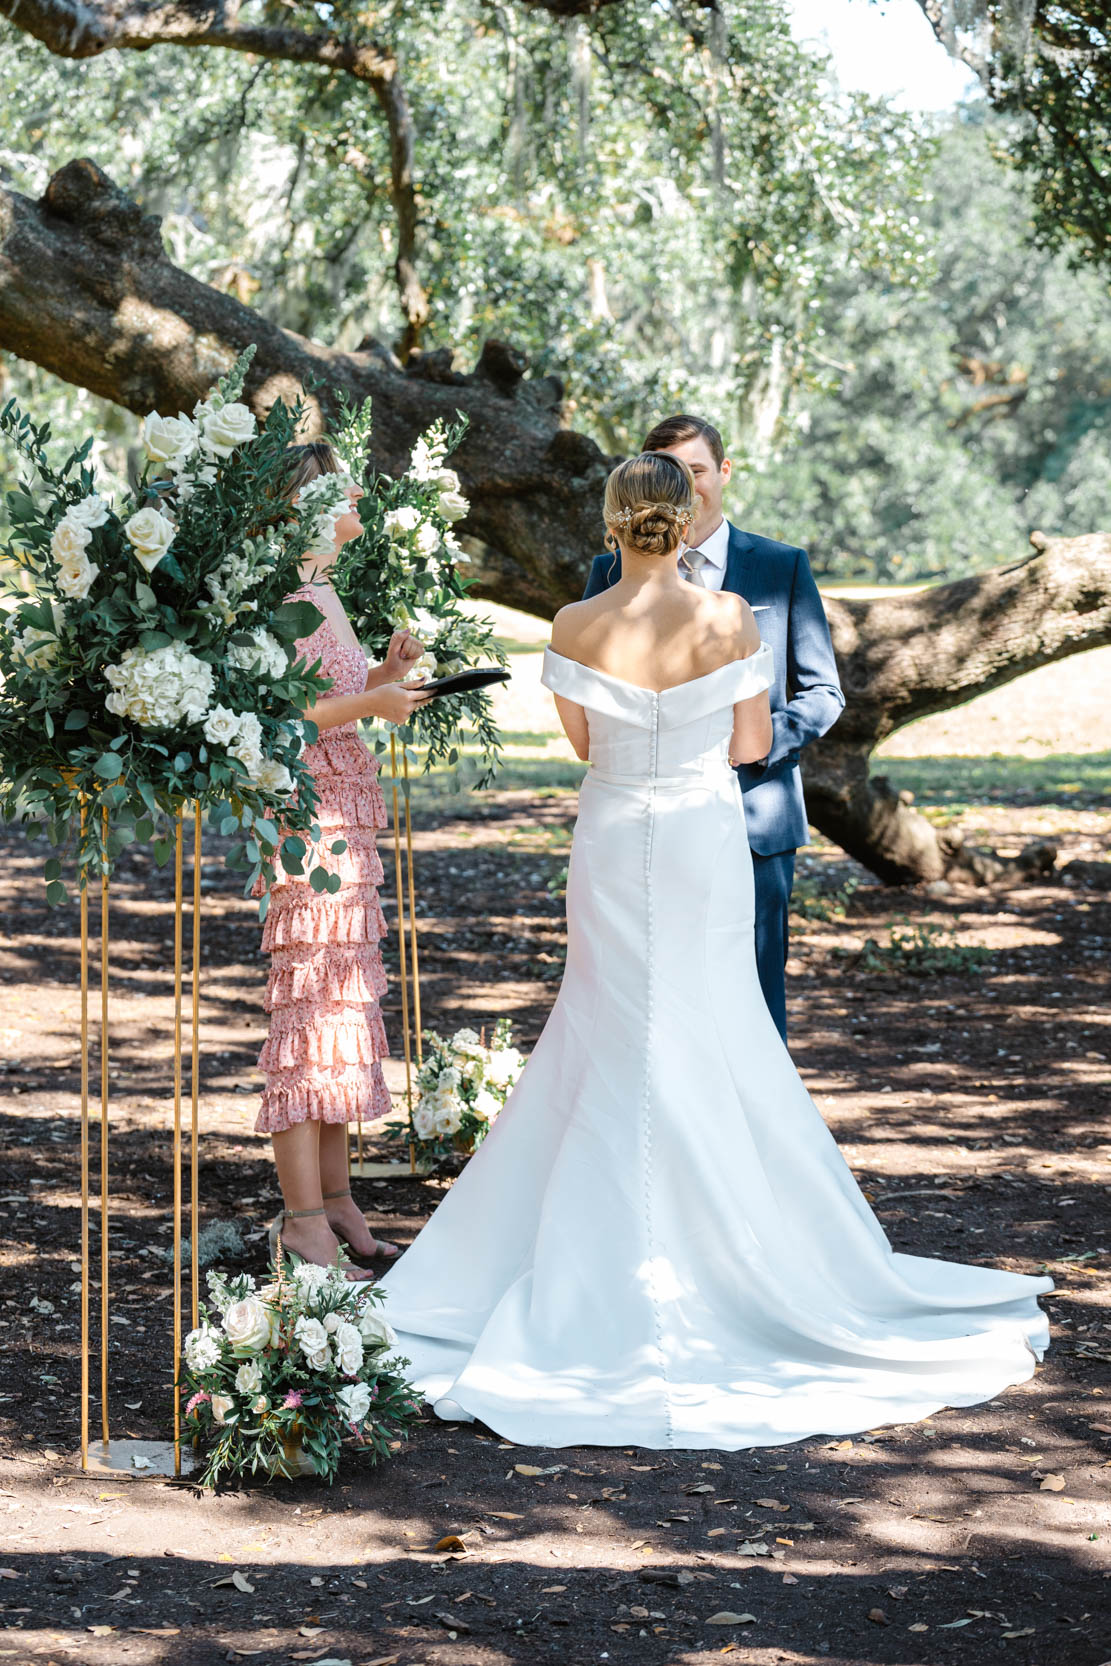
971, 1103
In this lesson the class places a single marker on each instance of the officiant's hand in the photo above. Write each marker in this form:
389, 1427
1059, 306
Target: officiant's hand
403, 652
395, 702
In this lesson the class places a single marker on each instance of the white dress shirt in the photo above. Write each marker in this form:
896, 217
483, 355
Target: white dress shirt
714, 551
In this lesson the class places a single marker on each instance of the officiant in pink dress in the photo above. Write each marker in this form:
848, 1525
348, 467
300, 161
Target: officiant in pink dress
323, 1055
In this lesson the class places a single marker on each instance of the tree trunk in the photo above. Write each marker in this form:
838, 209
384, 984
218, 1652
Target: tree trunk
86, 291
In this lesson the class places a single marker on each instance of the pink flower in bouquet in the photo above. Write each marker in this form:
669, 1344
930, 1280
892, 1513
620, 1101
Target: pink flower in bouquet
292, 1400
197, 1399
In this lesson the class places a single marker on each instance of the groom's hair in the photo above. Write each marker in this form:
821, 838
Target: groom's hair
676, 430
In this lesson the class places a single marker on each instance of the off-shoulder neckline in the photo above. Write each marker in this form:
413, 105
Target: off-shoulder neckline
639, 687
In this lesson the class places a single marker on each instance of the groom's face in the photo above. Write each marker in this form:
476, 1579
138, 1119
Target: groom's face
709, 484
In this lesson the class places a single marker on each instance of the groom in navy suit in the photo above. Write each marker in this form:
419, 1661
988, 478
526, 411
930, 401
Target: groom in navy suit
806, 698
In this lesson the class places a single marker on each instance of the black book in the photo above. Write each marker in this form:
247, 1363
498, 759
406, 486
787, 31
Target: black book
462, 682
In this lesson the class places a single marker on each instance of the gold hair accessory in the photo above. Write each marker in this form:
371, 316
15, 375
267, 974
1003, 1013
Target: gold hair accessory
624, 517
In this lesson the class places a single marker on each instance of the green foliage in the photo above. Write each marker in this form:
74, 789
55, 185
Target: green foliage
924, 951
402, 573
132, 682
811, 899
962, 416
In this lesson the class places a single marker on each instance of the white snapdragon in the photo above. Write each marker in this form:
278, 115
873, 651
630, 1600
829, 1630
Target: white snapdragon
160, 688
150, 534
428, 455
202, 1348
354, 1401
406, 518
263, 656
321, 502
428, 539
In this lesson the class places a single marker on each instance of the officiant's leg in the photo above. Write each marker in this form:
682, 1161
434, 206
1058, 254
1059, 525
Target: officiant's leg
773, 876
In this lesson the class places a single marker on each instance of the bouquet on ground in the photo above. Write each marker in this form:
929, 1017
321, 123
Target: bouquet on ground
146, 646
405, 573
281, 1378
462, 1085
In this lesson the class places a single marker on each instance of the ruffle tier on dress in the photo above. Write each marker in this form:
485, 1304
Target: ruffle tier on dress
322, 1056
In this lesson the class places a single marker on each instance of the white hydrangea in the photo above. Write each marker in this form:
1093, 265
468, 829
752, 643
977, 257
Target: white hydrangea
160, 688
202, 1348
309, 1277
263, 656
449, 1079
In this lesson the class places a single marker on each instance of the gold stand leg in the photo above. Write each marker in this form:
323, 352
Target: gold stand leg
195, 1074
417, 1027
178, 843
84, 894
104, 1291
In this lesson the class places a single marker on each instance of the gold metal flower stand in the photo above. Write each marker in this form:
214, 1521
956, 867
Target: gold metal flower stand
409, 971
137, 1457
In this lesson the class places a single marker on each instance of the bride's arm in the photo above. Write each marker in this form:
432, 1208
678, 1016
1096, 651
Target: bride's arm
752, 719
575, 727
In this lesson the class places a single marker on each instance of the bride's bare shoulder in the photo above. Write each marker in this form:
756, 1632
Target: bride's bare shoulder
571, 621
732, 621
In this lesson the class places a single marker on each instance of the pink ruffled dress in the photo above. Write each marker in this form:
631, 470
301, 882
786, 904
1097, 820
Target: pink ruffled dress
322, 1057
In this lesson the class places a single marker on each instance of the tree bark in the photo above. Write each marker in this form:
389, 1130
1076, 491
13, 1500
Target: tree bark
87, 292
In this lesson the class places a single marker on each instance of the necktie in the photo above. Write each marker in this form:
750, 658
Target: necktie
693, 562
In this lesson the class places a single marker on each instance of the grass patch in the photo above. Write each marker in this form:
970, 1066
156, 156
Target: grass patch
1073, 780
924, 951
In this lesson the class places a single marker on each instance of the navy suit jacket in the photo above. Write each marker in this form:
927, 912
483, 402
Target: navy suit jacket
806, 699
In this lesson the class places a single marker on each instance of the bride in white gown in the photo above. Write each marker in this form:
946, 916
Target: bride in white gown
659, 1243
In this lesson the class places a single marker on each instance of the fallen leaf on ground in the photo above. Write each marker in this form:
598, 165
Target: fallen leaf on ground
450, 1541
951, 1625
918, 1626
551, 1590
789, 1579
1027, 1631
700, 1486
1053, 1483
531, 1469
772, 1504
878, 1617
715, 1532
9, 1573
385, 1660
506, 1515
727, 1618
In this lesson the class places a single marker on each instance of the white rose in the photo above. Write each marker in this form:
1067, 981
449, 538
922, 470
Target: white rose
349, 1349
69, 541
221, 1405
92, 511
404, 519
247, 1325
422, 668
312, 1339
449, 1118
504, 1067
150, 534
75, 577
424, 1120
374, 1330
354, 1401
451, 504
486, 1105
260, 1405
223, 430
202, 1348
221, 726
332, 1323
168, 439
273, 777
248, 1379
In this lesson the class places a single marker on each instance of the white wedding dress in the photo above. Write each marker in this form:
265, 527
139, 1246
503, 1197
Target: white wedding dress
659, 1244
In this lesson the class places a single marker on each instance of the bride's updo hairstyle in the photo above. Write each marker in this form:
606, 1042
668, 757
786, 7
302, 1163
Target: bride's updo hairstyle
650, 503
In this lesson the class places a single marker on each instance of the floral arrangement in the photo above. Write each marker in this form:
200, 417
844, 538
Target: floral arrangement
146, 647
462, 1085
282, 1377
404, 573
